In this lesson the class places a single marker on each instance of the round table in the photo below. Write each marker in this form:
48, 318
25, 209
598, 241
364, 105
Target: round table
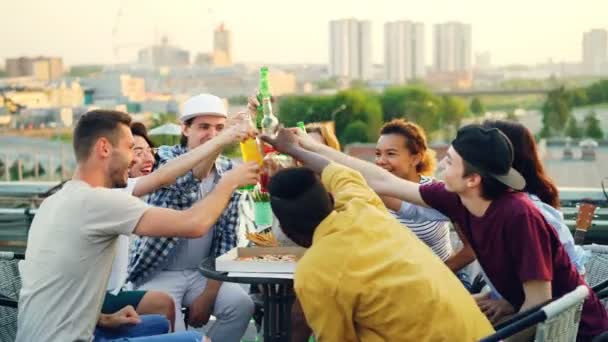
278, 298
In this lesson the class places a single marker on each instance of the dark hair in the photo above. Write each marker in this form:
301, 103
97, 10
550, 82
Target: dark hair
491, 188
139, 129
184, 139
300, 202
527, 162
415, 142
96, 124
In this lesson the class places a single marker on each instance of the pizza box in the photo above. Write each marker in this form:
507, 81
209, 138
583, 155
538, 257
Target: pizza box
230, 262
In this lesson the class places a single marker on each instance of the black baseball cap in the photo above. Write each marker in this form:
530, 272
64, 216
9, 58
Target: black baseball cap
490, 152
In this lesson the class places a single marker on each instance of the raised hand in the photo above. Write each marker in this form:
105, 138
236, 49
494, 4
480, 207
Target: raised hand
243, 175
285, 141
239, 128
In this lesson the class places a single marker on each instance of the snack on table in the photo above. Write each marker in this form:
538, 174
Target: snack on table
263, 239
271, 257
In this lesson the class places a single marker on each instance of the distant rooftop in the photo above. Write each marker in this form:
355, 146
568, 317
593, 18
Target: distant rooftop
576, 172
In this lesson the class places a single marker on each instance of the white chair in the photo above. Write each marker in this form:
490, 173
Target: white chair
555, 322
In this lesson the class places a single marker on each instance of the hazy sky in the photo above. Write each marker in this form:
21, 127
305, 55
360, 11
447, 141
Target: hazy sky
287, 31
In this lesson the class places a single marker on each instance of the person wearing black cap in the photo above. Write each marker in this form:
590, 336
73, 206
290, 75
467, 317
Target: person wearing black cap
363, 273
518, 249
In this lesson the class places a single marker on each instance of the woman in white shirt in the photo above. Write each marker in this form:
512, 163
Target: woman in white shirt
403, 151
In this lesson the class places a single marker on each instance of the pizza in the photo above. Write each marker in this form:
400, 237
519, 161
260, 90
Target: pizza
271, 258
263, 239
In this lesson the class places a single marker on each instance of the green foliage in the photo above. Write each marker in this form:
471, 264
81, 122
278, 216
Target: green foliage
84, 70
413, 103
159, 119
239, 100
356, 131
452, 110
572, 129
556, 111
557, 107
360, 105
592, 126
578, 97
294, 108
477, 107
168, 140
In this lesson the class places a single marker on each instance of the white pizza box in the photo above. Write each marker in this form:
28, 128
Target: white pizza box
230, 262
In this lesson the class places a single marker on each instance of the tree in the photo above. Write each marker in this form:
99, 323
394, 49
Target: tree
355, 132
159, 119
452, 110
592, 126
477, 107
556, 111
572, 129
360, 105
292, 109
597, 92
413, 103
578, 97
84, 70
240, 100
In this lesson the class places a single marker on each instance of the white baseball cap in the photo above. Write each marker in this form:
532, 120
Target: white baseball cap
203, 104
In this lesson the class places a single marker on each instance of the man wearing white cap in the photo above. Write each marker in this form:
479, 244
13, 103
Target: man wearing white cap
171, 264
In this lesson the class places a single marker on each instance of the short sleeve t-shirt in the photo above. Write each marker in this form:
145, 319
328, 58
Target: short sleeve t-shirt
71, 245
121, 260
514, 244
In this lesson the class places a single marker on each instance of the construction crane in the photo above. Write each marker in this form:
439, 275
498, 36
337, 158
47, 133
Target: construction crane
117, 47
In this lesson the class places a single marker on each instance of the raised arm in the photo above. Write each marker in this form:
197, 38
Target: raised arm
197, 220
381, 181
208, 152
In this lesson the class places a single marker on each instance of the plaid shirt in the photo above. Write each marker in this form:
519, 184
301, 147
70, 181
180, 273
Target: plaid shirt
150, 254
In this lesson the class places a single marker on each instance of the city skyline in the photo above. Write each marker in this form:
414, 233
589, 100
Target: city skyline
518, 32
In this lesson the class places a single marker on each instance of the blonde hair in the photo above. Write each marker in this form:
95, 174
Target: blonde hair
415, 142
324, 131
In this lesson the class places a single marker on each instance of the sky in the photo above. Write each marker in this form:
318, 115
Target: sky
288, 31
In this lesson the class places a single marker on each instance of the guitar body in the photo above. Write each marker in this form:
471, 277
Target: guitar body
584, 219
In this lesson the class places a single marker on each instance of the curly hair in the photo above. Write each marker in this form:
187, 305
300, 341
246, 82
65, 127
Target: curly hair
415, 142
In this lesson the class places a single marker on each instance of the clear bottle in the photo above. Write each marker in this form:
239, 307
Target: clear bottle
269, 123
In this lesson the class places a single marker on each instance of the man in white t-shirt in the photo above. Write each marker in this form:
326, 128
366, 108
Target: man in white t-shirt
72, 239
142, 181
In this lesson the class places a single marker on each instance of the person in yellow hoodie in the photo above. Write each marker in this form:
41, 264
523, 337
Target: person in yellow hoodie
364, 277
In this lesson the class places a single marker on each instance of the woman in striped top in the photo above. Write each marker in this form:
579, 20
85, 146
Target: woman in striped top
402, 150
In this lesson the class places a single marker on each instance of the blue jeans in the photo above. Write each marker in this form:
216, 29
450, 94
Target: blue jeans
184, 336
151, 328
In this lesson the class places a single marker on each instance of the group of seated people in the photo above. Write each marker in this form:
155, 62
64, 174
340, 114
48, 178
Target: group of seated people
114, 254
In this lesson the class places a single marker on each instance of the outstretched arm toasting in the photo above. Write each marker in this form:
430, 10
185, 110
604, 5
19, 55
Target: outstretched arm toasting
317, 156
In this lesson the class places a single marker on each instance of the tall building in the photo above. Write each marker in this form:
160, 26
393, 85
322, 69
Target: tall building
222, 46
404, 51
452, 41
163, 55
595, 57
350, 48
41, 68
